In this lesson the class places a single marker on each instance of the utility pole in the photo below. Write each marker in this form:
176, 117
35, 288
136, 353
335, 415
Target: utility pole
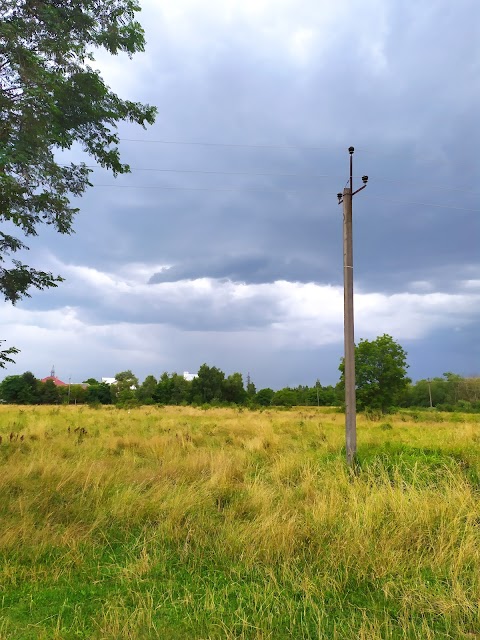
430, 392
348, 315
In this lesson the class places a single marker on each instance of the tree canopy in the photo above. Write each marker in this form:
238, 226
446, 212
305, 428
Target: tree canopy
50, 98
451, 392
380, 372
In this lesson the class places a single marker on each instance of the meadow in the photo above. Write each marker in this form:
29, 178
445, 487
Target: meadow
185, 523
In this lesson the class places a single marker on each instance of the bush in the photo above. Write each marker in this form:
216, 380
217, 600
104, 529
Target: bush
374, 415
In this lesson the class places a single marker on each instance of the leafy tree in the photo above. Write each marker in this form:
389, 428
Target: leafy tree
285, 398
146, 390
51, 98
329, 396
264, 397
31, 384
74, 393
380, 371
19, 389
179, 389
471, 389
418, 394
163, 390
251, 390
172, 389
208, 385
11, 351
233, 389
454, 386
126, 380
99, 392
48, 392
125, 387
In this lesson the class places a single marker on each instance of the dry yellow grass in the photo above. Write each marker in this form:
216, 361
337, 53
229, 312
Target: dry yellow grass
184, 523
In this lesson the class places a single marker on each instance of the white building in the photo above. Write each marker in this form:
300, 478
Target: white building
111, 381
189, 376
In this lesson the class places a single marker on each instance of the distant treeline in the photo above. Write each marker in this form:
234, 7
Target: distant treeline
450, 392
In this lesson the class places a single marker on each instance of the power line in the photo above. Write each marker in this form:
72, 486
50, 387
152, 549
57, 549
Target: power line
426, 184
269, 146
226, 173
261, 173
273, 189
426, 204
138, 186
228, 144
283, 175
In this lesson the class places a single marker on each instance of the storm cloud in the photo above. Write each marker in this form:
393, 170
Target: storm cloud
224, 244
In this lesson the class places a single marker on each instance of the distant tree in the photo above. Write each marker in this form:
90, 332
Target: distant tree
285, 398
329, 396
91, 381
163, 390
264, 397
208, 385
126, 379
233, 389
48, 392
123, 391
471, 388
31, 383
381, 373
251, 390
146, 391
19, 389
454, 386
98, 393
180, 389
172, 389
446, 392
74, 393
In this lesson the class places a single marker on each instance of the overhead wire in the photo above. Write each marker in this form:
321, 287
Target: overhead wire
161, 187
424, 204
286, 175
277, 190
228, 144
229, 173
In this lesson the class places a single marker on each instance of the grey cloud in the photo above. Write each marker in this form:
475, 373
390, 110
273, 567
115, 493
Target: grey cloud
250, 269
412, 117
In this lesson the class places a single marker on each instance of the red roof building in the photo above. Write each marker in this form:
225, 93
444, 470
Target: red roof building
56, 381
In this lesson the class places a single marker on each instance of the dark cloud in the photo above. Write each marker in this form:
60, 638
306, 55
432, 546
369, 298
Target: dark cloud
250, 269
397, 80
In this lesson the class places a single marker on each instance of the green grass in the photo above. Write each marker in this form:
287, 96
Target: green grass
182, 523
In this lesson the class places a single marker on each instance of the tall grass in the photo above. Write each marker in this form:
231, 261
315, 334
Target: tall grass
185, 523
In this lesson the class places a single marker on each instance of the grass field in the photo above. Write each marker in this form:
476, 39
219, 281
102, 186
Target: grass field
181, 523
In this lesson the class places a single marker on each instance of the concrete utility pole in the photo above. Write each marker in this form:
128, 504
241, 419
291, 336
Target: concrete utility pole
348, 318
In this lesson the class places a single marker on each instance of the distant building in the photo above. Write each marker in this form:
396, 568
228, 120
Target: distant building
111, 381
189, 376
56, 381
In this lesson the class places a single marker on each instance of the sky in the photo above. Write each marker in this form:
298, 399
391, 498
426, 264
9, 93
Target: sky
224, 244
